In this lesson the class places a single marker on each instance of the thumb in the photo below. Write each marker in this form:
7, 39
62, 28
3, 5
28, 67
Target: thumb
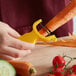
13, 33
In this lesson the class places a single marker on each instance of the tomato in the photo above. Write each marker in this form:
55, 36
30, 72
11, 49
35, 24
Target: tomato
58, 72
73, 69
59, 62
68, 74
49, 74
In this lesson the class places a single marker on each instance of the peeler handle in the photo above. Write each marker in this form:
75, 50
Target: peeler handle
61, 18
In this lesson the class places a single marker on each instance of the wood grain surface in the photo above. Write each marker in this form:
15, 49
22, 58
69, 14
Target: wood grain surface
41, 57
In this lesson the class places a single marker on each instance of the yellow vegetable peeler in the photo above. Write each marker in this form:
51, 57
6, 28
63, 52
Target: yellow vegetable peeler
35, 36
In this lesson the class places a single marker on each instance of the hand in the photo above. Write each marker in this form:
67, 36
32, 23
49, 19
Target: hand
10, 46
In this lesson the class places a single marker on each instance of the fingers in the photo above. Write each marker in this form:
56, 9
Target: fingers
6, 28
14, 52
13, 42
10, 45
13, 33
6, 57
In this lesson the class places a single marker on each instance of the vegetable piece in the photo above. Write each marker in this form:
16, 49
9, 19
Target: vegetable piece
73, 69
58, 62
6, 69
58, 72
69, 74
49, 74
23, 68
61, 18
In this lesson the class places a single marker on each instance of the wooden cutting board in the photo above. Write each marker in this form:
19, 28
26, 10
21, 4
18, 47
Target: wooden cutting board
41, 57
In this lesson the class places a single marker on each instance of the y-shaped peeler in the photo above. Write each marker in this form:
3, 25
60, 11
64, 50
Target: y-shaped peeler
61, 18
35, 36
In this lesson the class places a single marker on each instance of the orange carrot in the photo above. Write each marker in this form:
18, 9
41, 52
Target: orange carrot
67, 43
61, 18
23, 68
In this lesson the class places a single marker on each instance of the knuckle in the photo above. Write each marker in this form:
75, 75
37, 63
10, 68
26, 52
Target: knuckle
20, 54
19, 46
17, 55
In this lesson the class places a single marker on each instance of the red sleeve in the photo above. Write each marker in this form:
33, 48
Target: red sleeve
0, 12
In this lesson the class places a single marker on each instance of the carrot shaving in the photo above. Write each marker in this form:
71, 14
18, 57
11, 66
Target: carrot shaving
71, 42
